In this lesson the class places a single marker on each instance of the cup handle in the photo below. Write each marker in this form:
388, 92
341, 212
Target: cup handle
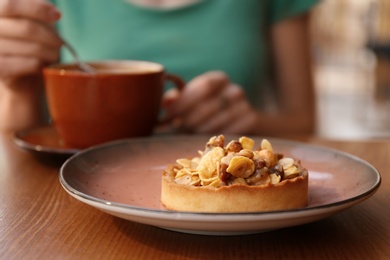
179, 84
176, 80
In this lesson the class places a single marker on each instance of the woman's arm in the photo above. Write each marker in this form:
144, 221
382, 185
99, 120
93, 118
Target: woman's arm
21, 103
291, 55
211, 103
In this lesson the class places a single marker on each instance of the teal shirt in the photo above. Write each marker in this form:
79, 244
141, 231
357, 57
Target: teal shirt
227, 35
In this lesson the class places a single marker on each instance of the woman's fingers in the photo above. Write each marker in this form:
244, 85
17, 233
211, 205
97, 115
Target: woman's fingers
208, 111
39, 10
210, 103
21, 48
27, 40
28, 30
19, 58
230, 114
199, 89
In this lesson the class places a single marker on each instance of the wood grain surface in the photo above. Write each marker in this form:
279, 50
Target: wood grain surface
39, 220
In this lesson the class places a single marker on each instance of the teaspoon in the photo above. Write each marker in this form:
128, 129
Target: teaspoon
82, 65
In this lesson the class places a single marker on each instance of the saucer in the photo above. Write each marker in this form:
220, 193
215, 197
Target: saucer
42, 139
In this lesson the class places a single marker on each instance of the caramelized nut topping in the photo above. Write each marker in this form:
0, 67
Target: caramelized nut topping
237, 163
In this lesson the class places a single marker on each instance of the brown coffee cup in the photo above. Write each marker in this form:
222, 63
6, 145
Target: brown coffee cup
121, 100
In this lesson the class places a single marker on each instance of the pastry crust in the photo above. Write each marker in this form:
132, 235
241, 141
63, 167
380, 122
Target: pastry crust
235, 178
288, 194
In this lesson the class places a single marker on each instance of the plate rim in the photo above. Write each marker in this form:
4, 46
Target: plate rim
111, 204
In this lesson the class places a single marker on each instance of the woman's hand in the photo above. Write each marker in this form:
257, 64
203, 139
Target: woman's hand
27, 41
211, 103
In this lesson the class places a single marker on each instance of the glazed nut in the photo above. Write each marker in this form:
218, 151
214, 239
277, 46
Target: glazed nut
184, 179
289, 168
286, 162
180, 173
186, 163
246, 153
291, 172
209, 163
241, 167
246, 142
215, 183
275, 178
216, 141
266, 145
226, 159
233, 146
188, 180
259, 177
269, 157
239, 181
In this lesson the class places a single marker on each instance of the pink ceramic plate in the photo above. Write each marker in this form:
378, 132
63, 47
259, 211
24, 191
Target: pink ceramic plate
122, 178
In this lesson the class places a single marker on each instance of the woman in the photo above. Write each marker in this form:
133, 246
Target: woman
226, 50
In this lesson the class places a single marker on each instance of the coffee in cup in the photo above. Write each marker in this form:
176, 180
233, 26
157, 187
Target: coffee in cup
121, 100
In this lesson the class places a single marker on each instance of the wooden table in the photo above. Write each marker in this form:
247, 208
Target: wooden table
39, 220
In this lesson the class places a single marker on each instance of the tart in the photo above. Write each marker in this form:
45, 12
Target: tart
235, 177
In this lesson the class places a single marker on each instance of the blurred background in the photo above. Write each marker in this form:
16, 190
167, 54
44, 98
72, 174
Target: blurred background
351, 40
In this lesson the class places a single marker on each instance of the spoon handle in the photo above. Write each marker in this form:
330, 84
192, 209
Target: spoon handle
83, 66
